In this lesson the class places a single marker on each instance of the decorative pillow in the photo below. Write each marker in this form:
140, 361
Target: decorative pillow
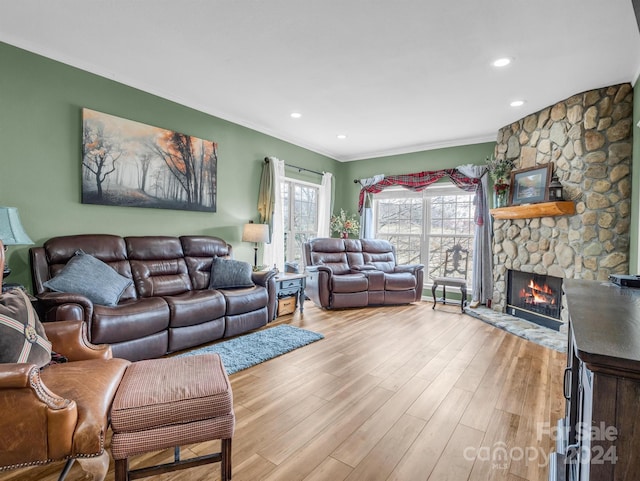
22, 336
89, 276
227, 273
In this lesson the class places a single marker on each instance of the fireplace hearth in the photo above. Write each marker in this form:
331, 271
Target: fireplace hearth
535, 297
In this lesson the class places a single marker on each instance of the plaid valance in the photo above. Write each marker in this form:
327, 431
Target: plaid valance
419, 181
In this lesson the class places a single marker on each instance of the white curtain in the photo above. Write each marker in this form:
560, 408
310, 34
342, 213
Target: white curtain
366, 216
324, 205
482, 256
274, 251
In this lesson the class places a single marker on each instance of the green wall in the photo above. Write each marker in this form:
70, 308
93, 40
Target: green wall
40, 139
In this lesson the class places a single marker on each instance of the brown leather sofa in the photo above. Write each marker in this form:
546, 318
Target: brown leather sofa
61, 411
359, 272
168, 307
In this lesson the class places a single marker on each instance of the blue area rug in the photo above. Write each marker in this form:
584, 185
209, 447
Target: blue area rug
246, 351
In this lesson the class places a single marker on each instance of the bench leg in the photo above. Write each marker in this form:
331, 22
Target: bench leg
122, 469
225, 465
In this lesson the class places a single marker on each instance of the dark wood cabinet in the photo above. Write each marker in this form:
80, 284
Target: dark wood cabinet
599, 437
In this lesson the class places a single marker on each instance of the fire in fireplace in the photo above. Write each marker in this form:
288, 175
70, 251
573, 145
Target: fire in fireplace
535, 297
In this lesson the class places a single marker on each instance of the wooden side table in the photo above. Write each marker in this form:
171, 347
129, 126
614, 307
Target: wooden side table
289, 284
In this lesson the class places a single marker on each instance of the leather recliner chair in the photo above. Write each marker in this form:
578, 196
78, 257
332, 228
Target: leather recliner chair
59, 412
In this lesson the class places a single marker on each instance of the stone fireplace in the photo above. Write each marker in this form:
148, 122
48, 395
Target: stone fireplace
588, 139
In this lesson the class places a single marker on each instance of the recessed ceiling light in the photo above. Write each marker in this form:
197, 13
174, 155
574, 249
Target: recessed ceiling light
501, 62
517, 103
296, 115
342, 136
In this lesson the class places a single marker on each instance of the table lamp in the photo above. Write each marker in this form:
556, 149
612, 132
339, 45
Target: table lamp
255, 233
11, 231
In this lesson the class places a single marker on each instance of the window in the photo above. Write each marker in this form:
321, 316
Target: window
300, 210
423, 225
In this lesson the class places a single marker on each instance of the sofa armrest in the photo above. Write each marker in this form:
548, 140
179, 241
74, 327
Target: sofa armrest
69, 338
21, 385
267, 279
58, 306
413, 268
262, 277
318, 285
316, 269
27, 376
15, 376
418, 271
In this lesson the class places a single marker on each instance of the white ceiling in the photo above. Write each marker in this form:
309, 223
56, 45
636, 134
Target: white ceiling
396, 76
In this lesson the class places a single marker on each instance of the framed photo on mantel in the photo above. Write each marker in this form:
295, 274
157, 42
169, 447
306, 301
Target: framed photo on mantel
529, 186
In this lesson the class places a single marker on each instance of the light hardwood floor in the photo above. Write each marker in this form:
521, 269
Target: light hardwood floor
395, 393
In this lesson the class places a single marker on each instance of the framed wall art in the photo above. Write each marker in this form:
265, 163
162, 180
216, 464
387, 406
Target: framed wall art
529, 186
130, 164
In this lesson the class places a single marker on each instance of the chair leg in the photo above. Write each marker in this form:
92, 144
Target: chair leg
65, 470
463, 300
122, 470
225, 465
433, 291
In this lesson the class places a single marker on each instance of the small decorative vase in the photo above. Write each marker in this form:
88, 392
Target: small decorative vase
500, 195
344, 235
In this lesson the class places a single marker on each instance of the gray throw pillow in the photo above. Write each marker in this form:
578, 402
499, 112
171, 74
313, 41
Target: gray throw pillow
22, 336
89, 276
227, 273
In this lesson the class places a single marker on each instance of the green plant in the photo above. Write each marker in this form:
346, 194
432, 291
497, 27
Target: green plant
499, 169
345, 223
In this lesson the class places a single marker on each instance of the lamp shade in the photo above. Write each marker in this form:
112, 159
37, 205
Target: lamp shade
11, 231
255, 233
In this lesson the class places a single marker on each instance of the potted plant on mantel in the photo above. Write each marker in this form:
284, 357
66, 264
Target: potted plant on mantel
500, 171
344, 224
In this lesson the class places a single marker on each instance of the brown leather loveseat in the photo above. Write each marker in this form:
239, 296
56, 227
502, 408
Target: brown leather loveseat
359, 272
168, 306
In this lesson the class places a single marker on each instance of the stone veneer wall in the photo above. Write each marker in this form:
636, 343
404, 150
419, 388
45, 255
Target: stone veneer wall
588, 138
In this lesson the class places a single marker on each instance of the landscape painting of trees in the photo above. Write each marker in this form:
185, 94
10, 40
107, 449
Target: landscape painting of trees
127, 163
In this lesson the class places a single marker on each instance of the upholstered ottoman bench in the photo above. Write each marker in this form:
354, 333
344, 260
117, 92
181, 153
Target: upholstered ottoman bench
168, 403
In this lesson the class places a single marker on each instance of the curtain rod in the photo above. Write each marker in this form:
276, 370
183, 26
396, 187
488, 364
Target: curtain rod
266, 160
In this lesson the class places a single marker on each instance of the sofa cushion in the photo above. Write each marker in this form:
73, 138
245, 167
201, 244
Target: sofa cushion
89, 276
195, 307
158, 266
399, 281
245, 299
240, 323
229, 273
199, 252
49, 260
129, 320
336, 261
379, 253
22, 337
350, 283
